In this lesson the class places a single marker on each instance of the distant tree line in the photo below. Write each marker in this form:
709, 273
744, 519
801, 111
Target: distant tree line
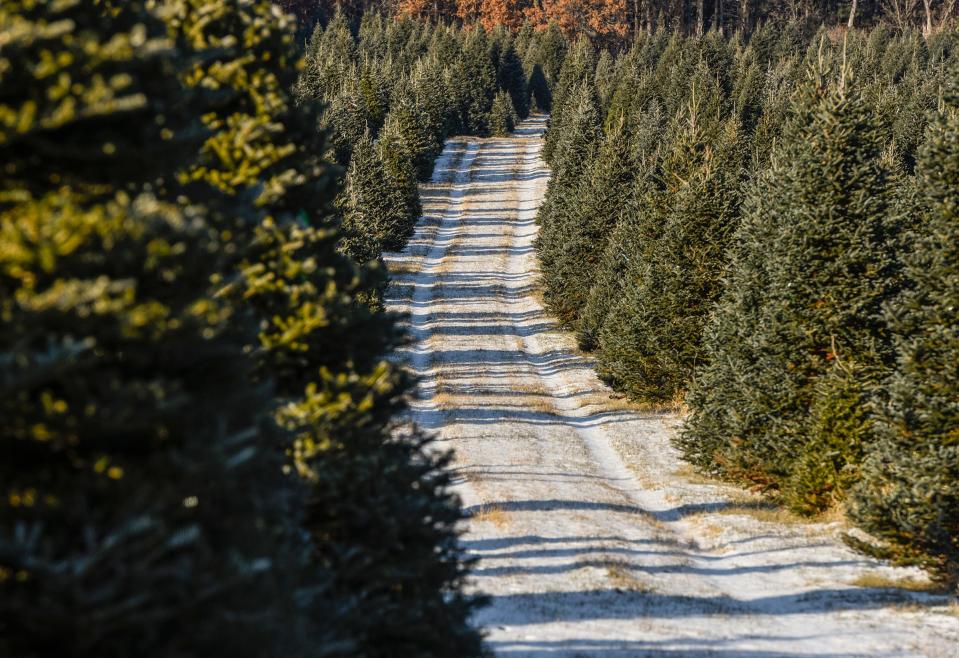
203, 450
766, 230
615, 22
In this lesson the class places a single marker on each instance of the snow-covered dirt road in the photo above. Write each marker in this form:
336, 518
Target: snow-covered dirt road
593, 538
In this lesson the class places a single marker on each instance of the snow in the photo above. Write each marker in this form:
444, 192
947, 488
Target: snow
592, 536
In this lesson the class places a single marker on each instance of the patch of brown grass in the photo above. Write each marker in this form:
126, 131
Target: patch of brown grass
763, 511
621, 577
492, 514
397, 267
881, 581
692, 475
676, 406
769, 511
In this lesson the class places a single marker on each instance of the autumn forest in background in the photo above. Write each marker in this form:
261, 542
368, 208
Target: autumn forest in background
613, 23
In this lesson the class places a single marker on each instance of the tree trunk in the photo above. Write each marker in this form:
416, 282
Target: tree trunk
852, 14
927, 7
700, 16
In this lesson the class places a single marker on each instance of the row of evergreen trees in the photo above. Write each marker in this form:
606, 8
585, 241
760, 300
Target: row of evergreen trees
395, 89
199, 451
767, 230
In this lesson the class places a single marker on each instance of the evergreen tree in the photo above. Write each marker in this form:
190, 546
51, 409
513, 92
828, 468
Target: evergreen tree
574, 152
261, 143
651, 340
819, 343
584, 213
502, 116
430, 87
375, 94
397, 150
347, 121
409, 129
374, 214
474, 84
511, 78
144, 508
329, 58
605, 76
322, 347
577, 71
909, 493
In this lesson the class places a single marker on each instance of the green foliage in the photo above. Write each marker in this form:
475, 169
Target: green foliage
511, 78
830, 266
754, 258
650, 342
473, 84
584, 209
398, 149
577, 71
542, 61
375, 216
196, 383
86, 116
144, 508
262, 145
502, 115
909, 493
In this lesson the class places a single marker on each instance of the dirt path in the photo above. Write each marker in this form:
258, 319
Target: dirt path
593, 538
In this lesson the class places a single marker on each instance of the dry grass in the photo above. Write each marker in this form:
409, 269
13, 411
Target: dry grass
540, 405
534, 397
492, 514
708, 530
443, 400
690, 474
621, 577
881, 581
677, 406
398, 267
763, 511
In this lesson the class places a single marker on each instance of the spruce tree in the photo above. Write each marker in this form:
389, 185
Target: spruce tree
346, 121
909, 493
818, 341
430, 88
261, 144
502, 115
574, 152
474, 84
329, 58
323, 348
144, 508
374, 213
511, 78
542, 62
651, 340
627, 238
409, 127
397, 152
578, 67
584, 211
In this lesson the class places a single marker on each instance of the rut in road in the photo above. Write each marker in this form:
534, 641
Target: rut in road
593, 538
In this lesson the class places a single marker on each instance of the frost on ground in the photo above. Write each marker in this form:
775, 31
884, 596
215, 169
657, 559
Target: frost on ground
593, 537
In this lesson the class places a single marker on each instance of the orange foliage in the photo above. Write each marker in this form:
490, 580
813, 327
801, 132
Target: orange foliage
600, 20
490, 13
434, 9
